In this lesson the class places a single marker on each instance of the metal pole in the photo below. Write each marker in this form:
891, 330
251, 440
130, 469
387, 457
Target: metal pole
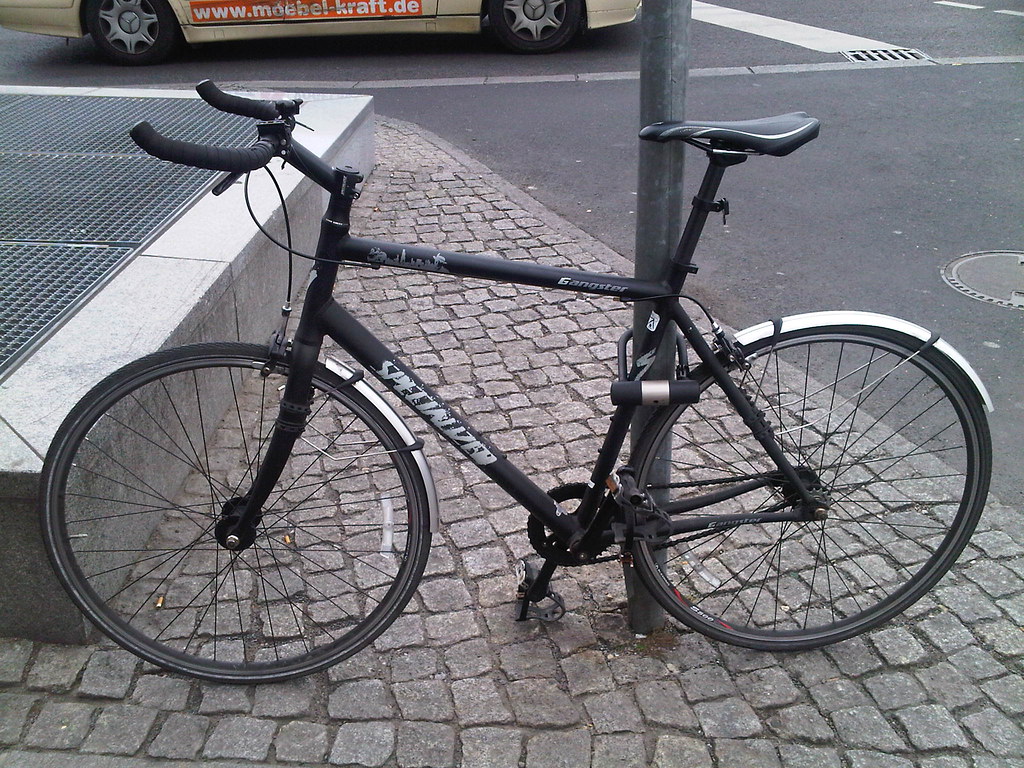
659, 220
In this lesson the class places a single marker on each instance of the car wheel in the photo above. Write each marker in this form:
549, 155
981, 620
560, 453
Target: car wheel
535, 26
133, 31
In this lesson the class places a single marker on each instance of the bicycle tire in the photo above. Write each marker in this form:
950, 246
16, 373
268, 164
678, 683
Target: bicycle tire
897, 436
139, 473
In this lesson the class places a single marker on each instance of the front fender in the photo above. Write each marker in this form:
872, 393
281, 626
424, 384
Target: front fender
390, 415
867, 319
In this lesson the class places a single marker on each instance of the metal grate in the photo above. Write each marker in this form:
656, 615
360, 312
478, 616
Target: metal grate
78, 198
100, 125
887, 54
39, 284
72, 199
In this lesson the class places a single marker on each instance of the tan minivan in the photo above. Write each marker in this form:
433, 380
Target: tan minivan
148, 31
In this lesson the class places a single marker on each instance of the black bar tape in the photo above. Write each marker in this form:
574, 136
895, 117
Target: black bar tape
235, 160
236, 105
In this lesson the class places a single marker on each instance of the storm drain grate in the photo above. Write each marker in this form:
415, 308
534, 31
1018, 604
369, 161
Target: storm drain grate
78, 198
996, 277
39, 284
887, 54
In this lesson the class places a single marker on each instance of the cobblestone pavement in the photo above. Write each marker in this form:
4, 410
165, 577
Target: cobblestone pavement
456, 681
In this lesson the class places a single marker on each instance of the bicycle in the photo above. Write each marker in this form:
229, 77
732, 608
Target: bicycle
246, 513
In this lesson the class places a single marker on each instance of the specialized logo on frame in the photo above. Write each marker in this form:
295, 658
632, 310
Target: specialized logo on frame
438, 415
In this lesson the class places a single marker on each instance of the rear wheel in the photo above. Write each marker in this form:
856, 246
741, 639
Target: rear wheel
535, 26
146, 467
133, 31
896, 439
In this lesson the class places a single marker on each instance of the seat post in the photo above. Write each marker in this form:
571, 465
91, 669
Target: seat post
703, 204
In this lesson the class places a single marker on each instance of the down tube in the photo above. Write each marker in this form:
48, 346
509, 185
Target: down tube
339, 324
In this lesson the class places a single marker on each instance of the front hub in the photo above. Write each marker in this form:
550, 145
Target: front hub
230, 532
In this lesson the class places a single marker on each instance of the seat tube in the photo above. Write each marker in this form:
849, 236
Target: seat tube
703, 203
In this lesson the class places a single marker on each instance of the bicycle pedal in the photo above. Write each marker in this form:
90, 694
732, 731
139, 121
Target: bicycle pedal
527, 608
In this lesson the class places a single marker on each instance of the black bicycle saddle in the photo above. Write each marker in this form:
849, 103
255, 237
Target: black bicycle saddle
776, 136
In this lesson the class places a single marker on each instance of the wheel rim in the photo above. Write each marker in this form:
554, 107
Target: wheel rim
534, 20
315, 586
130, 26
897, 458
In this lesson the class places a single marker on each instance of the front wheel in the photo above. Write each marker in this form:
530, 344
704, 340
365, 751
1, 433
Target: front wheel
895, 440
133, 32
535, 26
148, 464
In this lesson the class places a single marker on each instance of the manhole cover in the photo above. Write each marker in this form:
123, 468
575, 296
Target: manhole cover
993, 276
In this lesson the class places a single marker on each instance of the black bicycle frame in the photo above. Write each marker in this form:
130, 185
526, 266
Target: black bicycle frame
322, 316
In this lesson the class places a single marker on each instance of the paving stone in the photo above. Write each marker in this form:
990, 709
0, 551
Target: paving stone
14, 711
801, 723
108, 675
613, 712
621, 750
865, 727
290, 699
301, 742
180, 737
414, 664
360, 700
424, 700
367, 744
728, 719
897, 646
445, 595
491, 747
479, 702
60, 725
158, 692
931, 727
426, 745
768, 688
1007, 693
468, 659
566, 749
996, 733
406, 631
246, 738
967, 602
800, 756
541, 704
587, 672
662, 703
225, 699
531, 659
1003, 637
56, 668
864, 759
14, 657
746, 752
120, 730
948, 686
837, 693
572, 633
681, 752
946, 632
448, 628
709, 682
895, 690
977, 663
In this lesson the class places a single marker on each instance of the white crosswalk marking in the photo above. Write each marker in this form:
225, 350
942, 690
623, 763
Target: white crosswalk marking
815, 38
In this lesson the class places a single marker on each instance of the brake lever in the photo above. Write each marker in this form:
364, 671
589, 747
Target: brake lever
226, 181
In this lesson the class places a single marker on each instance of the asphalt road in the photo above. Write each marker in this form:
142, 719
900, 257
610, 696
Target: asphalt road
915, 166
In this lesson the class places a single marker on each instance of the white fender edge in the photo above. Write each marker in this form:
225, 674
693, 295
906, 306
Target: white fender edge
395, 420
845, 317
